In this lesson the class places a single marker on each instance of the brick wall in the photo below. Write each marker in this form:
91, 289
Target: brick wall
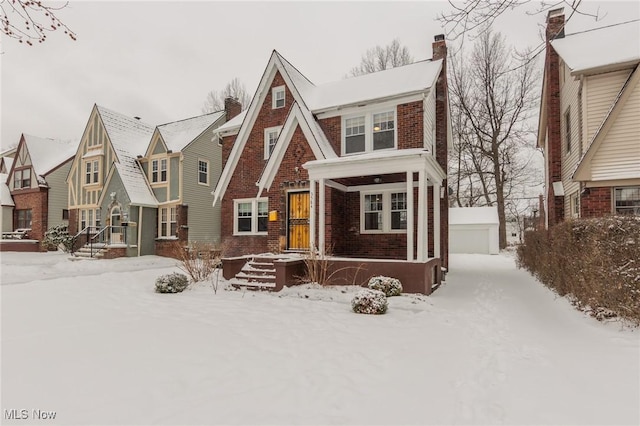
410, 125
36, 200
596, 202
248, 171
555, 205
439, 48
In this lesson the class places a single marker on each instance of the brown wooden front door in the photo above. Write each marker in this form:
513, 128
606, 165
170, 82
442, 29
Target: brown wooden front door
298, 221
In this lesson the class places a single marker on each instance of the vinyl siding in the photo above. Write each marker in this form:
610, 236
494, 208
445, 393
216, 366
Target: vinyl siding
618, 157
204, 220
569, 100
601, 91
58, 194
429, 120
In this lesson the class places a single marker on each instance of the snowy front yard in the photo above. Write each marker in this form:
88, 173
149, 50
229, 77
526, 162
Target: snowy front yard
92, 342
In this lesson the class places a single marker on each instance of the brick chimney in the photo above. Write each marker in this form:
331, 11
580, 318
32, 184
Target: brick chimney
439, 48
554, 30
232, 107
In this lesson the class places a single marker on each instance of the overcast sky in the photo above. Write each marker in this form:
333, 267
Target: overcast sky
158, 60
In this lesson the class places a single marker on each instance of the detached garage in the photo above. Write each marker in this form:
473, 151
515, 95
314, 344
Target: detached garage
473, 230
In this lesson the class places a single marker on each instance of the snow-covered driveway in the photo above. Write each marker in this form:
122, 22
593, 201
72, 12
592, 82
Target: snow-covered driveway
93, 342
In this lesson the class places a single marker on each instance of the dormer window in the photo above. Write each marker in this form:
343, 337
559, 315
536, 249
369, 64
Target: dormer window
278, 97
91, 172
369, 132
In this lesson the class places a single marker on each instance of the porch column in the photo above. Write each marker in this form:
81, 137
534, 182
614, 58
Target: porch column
410, 225
423, 217
312, 214
436, 219
321, 218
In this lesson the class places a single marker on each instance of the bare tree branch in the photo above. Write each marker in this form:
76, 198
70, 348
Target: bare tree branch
383, 57
29, 21
235, 89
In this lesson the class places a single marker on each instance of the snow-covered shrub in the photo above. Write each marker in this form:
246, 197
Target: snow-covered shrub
58, 237
369, 301
389, 286
171, 283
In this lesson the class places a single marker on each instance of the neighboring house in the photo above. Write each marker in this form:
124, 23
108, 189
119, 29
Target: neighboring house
7, 204
589, 124
473, 230
183, 166
134, 187
5, 164
37, 186
355, 168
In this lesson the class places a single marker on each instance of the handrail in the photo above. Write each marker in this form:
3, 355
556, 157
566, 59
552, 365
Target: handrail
101, 235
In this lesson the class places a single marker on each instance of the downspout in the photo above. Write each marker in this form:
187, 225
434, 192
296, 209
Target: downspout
139, 229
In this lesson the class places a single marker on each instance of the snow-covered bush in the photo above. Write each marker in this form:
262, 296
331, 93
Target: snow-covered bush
58, 237
369, 301
389, 286
171, 283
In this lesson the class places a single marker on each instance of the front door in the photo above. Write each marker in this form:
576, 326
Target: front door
298, 221
116, 229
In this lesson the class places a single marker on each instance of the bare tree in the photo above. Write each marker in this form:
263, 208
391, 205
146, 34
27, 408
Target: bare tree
30, 21
215, 99
474, 17
383, 57
493, 98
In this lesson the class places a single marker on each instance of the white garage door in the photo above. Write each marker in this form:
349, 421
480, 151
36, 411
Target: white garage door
469, 241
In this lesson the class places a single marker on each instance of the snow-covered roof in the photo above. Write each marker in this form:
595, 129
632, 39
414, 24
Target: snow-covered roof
234, 123
179, 134
139, 192
606, 46
5, 193
473, 215
46, 154
129, 137
416, 77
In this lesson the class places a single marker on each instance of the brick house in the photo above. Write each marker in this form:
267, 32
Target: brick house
356, 168
135, 188
589, 127
36, 181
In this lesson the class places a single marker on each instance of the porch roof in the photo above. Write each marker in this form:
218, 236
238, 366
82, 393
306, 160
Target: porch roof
376, 163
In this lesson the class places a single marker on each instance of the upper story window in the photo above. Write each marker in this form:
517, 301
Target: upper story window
159, 170
567, 129
91, 172
22, 178
251, 216
270, 138
203, 172
277, 97
383, 212
627, 200
369, 132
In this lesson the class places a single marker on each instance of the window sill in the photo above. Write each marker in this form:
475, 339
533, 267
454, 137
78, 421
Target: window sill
170, 238
344, 154
393, 231
203, 184
242, 234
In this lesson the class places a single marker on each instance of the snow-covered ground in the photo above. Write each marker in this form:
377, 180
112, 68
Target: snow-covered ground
91, 341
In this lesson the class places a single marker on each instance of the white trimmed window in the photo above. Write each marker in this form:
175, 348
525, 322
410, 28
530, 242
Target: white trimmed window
22, 178
574, 202
369, 132
159, 170
383, 212
270, 137
167, 222
91, 172
277, 97
627, 200
251, 216
90, 217
203, 172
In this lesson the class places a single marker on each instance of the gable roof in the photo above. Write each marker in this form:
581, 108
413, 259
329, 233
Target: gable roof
582, 171
7, 162
5, 192
128, 137
391, 83
317, 141
232, 124
612, 45
178, 134
47, 154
